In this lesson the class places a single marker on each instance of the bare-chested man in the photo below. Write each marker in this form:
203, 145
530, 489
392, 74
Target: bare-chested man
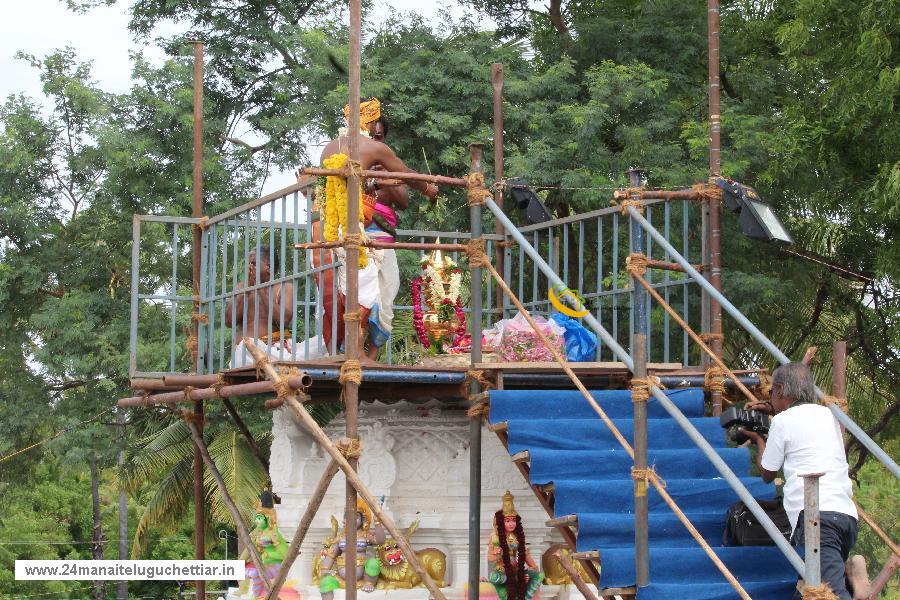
382, 272
264, 307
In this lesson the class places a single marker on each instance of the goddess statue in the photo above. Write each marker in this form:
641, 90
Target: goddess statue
512, 571
272, 549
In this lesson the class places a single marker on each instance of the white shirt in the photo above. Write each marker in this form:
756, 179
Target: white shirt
807, 439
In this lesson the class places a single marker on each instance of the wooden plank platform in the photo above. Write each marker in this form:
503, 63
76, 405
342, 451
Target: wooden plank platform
569, 520
593, 555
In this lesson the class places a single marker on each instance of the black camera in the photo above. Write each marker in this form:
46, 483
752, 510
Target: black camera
736, 418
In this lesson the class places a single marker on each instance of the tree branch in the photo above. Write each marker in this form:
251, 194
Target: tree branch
886, 417
821, 297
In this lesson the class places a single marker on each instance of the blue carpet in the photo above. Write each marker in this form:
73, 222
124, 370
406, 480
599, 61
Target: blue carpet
570, 447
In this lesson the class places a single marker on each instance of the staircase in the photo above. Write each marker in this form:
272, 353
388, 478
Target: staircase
573, 458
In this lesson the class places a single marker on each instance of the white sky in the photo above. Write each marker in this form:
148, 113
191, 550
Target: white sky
40, 26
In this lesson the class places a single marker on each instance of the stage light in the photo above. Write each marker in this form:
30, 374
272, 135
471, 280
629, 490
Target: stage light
528, 201
756, 218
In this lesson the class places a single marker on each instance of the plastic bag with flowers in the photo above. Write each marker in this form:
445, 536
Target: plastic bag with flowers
518, 341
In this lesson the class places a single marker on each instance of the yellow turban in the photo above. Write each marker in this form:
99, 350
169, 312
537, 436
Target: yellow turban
369, 111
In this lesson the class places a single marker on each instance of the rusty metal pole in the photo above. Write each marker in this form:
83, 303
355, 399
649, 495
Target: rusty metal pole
641, 505
812, 539
352, 326
497, 85
197, 212
715, 252
475, 326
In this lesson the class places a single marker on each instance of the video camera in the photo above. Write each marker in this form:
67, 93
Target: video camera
736, 418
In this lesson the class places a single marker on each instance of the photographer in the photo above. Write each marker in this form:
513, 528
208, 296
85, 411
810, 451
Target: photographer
804, 437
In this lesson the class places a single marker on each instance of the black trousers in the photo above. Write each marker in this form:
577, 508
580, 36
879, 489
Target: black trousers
838, 536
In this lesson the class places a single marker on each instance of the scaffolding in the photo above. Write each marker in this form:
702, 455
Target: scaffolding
664, 270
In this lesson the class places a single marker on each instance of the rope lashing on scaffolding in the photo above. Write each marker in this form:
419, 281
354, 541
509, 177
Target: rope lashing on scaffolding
640, 387
478, 258
647, 476
476, 192
261, 363
629, 197
478, 409
815, 592
282, 386
840, 402
218, 385
637, 264
192, 347
479, 377
710, 337
714, 379
353, 241
351, 372
707, 191
351, 168
201, 224
199, 317
190, 416
350, 448
765, 385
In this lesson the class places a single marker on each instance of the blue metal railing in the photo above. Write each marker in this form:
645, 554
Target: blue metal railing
589, 248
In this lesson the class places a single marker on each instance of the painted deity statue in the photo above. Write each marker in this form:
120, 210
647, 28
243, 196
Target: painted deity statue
512, 571
369, 536
272, 548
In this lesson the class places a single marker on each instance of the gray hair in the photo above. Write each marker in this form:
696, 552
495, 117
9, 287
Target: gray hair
796, 382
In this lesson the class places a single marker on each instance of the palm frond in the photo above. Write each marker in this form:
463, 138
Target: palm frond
157, 454
242, 473
167, 506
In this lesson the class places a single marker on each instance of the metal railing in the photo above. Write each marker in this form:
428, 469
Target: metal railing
588, 253
590, 248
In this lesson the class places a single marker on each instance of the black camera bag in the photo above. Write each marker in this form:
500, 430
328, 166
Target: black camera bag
743, 529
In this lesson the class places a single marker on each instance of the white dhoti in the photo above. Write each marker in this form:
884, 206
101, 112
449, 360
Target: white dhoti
379, 284
282, 350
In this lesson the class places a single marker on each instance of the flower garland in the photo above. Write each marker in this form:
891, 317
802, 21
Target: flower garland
418, 321
335, 209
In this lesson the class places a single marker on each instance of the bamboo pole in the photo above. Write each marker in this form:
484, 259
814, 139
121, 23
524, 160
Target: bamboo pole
436, 179
386, 245
882, 579
294, 549
693, 335
246, 433
878, 530
352, 477
352, 331
229, 503
197, 211
497, 81
654, 481
210, 393
569, 568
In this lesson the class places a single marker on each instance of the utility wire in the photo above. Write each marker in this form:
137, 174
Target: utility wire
55, 435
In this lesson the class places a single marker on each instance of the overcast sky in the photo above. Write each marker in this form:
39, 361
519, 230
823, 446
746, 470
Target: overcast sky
40, 26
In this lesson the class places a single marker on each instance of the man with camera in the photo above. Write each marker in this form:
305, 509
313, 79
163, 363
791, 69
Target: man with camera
804, 437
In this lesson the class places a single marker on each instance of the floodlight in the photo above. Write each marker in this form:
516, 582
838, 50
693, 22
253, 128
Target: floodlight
755, 217
527, 200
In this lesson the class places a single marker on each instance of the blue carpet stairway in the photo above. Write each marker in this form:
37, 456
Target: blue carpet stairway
569, 446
